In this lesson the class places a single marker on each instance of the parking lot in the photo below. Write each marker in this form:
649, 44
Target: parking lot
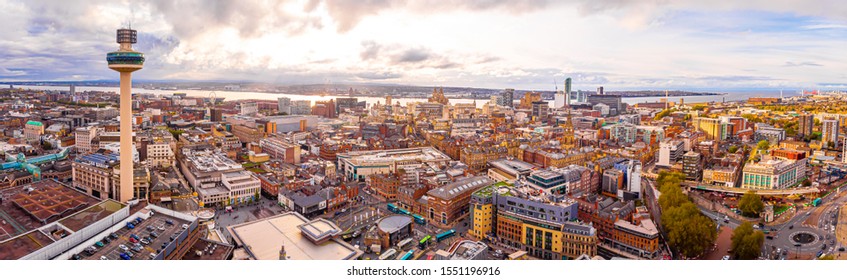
143, 242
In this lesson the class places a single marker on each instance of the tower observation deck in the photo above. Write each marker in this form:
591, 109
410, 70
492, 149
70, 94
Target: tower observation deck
125, 59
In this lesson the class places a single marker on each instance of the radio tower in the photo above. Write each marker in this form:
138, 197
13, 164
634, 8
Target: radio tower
125, 60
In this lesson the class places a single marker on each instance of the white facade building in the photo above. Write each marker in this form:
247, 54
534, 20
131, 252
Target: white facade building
670, 152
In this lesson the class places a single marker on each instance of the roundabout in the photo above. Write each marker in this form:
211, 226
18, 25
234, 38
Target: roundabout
803, 240
803, 237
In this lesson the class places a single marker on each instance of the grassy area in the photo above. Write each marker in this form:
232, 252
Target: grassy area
780, 208
502, 183
256, 170
249, 165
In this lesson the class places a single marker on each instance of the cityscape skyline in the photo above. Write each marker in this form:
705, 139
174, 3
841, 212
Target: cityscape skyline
438, 141
631, 45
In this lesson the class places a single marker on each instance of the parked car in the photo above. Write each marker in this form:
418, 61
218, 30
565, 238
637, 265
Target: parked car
123, 247
76, 257
726, 258
170, 222
124, 256
99, 244
104, 258
130, 254
145, 242
161, 227
113, 235
133, 240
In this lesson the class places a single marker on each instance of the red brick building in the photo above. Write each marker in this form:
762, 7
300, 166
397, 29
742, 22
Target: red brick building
385, 185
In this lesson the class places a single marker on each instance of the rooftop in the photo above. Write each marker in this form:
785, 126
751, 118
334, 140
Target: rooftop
452, 190
647, 227
423, 154
47, 201
35, 205
23, 245
319, 230
205, 249
208, 161
394, 223
512, 166
90, 215
263, 239
468, 250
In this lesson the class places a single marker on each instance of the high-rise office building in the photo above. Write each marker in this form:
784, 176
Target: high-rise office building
284, 105
540, 110
563, 98
829, 132
600, 91
616, 107
507, 98
559, 99
125, 60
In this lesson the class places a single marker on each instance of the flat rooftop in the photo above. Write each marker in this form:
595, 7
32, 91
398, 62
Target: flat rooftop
38, 237
422, 154
393, 223
264, 238
23, 245
90, 215
512, 165
205, 249
37, 204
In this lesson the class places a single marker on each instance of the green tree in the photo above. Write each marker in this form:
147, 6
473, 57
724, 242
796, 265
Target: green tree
750, 204
689, 231
746, 242
827, 258
663, 113
732, 149
672, 198
763, 145
176, 133
698, 107
806, 182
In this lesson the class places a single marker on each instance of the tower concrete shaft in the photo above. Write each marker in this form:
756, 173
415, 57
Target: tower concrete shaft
126, 188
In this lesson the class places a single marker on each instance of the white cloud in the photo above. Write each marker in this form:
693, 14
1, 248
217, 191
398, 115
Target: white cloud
522, 44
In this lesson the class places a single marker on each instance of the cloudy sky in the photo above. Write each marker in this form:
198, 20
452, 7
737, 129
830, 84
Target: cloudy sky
525, 44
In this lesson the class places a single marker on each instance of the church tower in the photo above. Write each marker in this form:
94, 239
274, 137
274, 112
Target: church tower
568, 142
